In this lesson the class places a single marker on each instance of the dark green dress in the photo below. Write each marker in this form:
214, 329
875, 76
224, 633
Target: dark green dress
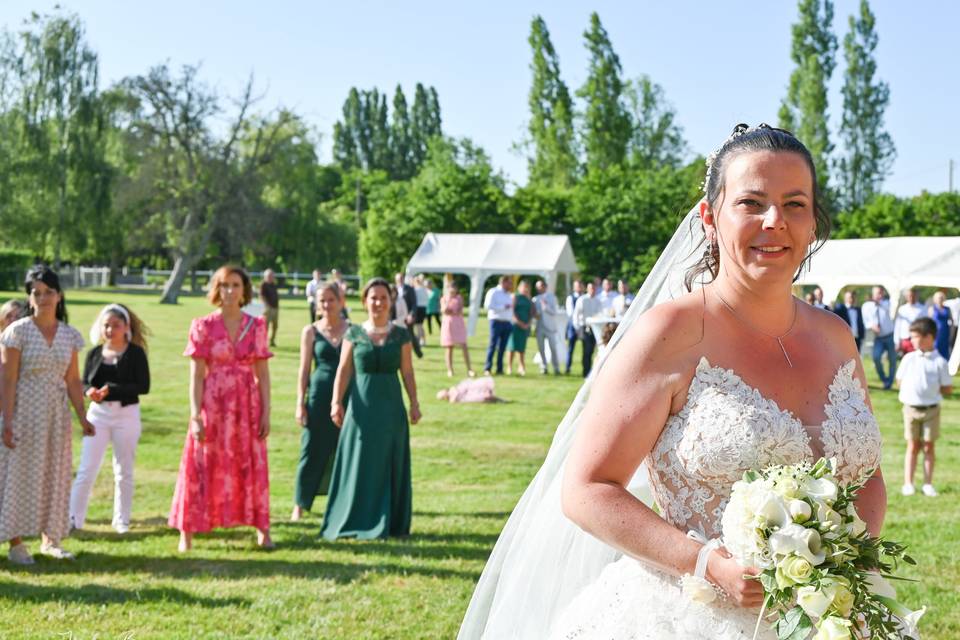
522, 309
318, 440
371, 495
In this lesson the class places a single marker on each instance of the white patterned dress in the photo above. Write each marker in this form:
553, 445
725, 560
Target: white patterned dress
725, 428
35, 476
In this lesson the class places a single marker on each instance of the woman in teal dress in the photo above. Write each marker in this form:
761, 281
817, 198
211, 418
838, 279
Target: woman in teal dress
523, 312
371, 494
320, 347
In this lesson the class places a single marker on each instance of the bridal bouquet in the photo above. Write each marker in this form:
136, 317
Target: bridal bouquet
822, 573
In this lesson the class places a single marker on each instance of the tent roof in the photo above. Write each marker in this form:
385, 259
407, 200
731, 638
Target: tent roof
907, 261
493, 252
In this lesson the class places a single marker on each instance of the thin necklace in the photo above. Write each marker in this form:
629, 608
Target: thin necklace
779, 338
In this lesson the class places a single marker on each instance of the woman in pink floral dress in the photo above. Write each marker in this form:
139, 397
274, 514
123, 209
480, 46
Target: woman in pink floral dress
223, 478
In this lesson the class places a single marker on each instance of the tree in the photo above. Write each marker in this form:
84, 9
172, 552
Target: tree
552, 136
402, 165
656, 139
606, 126
346, 132
425, 124
203, 178
868, 150
804, 110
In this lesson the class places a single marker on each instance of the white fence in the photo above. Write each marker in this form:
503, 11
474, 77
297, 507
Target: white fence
92, 277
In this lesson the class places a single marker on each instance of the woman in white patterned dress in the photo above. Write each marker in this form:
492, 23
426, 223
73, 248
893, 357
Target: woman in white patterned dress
40, 375
703, 387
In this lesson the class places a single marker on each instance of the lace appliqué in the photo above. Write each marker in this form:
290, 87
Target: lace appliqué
850, 432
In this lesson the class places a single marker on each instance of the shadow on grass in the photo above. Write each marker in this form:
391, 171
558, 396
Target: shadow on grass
417, 546
99, 594
497, 515
186, 567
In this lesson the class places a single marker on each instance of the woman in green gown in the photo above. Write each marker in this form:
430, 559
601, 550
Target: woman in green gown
523, 312
371, 494
320, 346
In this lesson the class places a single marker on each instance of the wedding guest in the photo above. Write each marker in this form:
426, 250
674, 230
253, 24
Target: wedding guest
809, 299
923, 380
116, 373
523, 314
337, 278
223, 479
499, 304
406, 302
850, 311
371, 489
909, 311
11, 311
312, 293
548, 331
606, 295
320, 346
433, 305
877, 318
622, 302
472, 390
572, 336
588, 306
420, 314
453, 330
270, 297
41, 378
818, 299
941, 315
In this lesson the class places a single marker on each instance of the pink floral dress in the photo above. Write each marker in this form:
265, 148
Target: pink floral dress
223, 480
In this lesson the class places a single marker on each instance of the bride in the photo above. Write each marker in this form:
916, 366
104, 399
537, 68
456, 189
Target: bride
732, 375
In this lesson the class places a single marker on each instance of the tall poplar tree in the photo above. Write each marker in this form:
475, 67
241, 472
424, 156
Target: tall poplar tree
606, 126
425, 121
868, 149
804, 110
346, 132
554, 160
401, 152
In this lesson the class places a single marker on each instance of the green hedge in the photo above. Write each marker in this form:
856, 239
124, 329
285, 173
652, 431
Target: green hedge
13, 268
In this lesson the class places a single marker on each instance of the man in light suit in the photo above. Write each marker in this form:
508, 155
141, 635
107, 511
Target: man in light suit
850, 311
547, 329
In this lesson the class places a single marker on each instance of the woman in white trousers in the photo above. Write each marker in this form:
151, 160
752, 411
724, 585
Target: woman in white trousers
115, 375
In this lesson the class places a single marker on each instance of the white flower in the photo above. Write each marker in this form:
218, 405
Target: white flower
858, 526
813, 601
821, 489
880, 586
833, 628
910, 621
827, 517
697, 589
788, 487
799, 510
793, 570
833, 594
793, 538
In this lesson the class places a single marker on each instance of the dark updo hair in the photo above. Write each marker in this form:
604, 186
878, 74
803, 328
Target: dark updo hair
375, 282
46, 275
745, 139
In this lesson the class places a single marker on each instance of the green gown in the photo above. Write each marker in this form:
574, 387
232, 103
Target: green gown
318, 440
522, 308
371, 495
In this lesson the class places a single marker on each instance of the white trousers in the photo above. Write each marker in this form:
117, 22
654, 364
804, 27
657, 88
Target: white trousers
120, 426
549, 340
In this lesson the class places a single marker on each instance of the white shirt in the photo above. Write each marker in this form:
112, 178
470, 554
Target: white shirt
312, 290
499, 304
906, 314
622, 302
400, 307
423, 296
878, 314
587, 307
546, 304
571, 303
606, 298
921, 374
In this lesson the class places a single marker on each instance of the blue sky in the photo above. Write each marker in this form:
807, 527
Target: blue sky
719, 62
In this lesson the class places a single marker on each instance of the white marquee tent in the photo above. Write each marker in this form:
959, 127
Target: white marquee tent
895, 263
481, 255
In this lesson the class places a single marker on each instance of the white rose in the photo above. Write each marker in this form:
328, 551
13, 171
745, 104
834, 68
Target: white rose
800, 511
697, 589
813, 601
833, 628
824, 489
794, 538
793, 570
788, 487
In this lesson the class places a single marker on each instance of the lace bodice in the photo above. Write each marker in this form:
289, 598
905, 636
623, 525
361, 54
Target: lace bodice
727, 427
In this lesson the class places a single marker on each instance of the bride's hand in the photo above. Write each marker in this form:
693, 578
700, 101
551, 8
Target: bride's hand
729, 575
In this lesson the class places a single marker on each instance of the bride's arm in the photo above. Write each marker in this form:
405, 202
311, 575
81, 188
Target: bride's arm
628, 406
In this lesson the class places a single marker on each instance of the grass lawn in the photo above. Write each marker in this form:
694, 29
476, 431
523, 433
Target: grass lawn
470, 464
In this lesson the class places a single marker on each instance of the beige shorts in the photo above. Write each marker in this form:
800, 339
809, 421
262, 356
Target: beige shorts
921, 422
272, 314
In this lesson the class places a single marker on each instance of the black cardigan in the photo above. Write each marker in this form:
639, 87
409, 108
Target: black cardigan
132, 371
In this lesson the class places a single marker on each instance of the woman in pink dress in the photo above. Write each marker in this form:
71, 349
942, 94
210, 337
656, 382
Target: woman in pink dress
223, 478
453, 331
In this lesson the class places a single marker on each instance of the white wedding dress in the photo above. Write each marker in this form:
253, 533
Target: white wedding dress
725, 428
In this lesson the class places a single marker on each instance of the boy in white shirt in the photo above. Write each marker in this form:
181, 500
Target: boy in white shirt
923, 380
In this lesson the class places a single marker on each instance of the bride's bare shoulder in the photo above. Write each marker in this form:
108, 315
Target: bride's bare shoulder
666, 336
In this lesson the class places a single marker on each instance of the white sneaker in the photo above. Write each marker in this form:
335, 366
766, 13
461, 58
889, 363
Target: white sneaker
908, 490
55, 552
122, 528
929, 491
19, 554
